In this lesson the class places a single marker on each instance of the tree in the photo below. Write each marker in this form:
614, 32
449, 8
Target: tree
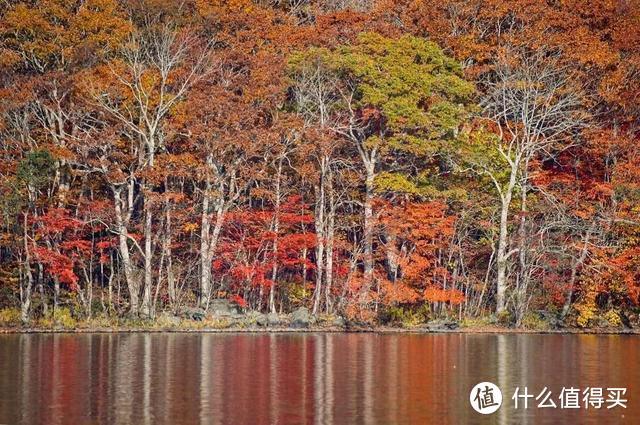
399, 99
157, 155
535, 110
157, 67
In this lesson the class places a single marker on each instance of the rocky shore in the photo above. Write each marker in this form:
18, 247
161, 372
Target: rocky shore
225, 317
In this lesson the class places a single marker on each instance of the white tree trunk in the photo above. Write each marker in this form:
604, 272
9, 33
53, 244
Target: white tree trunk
26, 288
368, 229
502, 256
320, 225
123, 248
331, 220
145, 309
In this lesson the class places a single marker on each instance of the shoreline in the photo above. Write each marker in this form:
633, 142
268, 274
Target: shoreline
290, 330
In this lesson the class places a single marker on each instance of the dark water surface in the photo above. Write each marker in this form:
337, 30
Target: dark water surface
190, 378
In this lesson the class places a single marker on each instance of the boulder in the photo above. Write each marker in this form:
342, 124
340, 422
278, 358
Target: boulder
261, 319
554, 321
442, 325
339, 322
301, 318
273, 319
222, 307
601, 322
168, 319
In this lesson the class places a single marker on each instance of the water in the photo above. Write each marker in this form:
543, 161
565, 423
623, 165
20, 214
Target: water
191, 378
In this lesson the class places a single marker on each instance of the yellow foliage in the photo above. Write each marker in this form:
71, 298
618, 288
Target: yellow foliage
613, 318
60, 318
587, 311
9, 317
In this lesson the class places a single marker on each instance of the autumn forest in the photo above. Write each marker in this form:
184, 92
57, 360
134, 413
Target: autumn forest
385, 162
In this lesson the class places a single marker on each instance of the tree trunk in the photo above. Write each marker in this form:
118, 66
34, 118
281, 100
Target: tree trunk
56, 293
123, 248
574, 270
320, 235
368, 229
208, 244
109, 283
25, 289
166, 246
331, 219
502, 256
392, 258
148, 258
205, 236
523, 272
276, 229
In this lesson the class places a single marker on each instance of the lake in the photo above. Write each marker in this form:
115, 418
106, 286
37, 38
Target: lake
323, 378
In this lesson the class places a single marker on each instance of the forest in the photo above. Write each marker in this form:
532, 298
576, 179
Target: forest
387, 162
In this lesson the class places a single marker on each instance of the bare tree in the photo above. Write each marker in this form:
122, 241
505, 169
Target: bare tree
536, 109
316, 96
158, 67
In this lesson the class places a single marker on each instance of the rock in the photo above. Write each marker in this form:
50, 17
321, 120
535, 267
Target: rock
301, 318
261, 319
601, 323
554, 321
442, 325
168, 319
222, 307
357, 325
193, 313
339, 322
273, 319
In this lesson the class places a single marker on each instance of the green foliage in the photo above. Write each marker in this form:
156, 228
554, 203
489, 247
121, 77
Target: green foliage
422, 184
12, 200
405, 316
479, 151
36, 169
407, 90
421, 94
418, 88
99, 321
395, 182
63, 317
535, 321
505, 318
34, 173
297, 294
477, 322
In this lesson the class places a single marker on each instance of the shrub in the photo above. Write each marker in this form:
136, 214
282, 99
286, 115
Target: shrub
587, 311
613, 317
535, 321
297, 294
505, 318
62, 317
404, 316
10, 317
477, 322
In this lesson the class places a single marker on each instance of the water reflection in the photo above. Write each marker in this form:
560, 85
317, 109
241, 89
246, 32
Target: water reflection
304, 378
